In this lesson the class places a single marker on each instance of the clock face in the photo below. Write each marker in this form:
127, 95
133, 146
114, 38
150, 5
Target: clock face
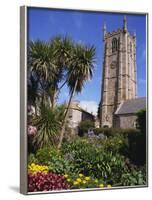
113, 64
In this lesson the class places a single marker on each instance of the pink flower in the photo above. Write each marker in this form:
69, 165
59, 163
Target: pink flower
32, 130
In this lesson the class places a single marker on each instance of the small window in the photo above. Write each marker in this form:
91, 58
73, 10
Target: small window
114, 45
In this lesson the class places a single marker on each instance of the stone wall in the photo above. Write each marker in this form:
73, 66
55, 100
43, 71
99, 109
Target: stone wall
127, 121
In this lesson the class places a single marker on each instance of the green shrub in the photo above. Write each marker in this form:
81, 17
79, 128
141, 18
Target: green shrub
109, 132
134, 177
141, 120
32, 158
128, 142
44, 155
137, 148
116, 144
92, 160
59, 165
84, 126
55, 160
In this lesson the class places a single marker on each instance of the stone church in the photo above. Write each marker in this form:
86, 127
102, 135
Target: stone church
119, 102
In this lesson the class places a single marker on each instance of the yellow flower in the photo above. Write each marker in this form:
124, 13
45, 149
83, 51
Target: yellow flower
75, 183
109, 186
84, 182
80, 175
78, 180
66, 176
96, 180
87, 178
101, 185
68, 179
33, 168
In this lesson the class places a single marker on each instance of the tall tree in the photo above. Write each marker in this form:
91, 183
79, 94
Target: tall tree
80, 69
48, 60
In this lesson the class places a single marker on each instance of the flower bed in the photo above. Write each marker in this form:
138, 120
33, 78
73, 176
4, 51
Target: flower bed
46, 181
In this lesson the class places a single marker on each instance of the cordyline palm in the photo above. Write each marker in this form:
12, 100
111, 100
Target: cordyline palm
41, 62
48, 125
32, 89
46, 60
62, 48
80, 69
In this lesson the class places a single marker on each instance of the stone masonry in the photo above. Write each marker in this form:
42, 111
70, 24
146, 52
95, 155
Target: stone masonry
119, 72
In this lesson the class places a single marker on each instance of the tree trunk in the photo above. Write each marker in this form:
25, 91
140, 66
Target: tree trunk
65, 117
53, 99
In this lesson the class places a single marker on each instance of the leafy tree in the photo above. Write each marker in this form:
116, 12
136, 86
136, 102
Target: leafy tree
84, 126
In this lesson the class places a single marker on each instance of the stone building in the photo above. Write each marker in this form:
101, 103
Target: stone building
126, 112
119, 74
76, 114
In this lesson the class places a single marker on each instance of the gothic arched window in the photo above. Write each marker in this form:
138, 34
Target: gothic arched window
114, 44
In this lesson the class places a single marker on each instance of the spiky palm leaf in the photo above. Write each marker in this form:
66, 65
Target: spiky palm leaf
81, 67
48, 125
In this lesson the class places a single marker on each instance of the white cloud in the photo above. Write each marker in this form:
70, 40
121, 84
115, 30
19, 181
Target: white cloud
90, 106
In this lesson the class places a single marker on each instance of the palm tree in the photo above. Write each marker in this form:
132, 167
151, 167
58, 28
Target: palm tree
48, 125
32, 85
80, 69
48, 60
41, 63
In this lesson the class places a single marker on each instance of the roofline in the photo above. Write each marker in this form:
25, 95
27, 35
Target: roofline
119, 107
82, 110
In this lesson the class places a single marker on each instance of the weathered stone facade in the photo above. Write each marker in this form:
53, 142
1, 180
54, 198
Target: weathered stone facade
76, 114
127, 121
119, 73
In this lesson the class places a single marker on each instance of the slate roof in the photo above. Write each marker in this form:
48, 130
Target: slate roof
131, 106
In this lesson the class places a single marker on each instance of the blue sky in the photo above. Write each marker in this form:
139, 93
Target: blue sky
86, 28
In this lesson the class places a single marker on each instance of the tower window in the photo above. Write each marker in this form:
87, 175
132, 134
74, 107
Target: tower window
114, 45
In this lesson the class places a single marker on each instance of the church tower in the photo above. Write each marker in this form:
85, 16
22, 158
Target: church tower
119, 72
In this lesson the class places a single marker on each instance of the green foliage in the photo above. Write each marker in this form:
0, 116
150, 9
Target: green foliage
107, 131
99, 159
48, 124
141, 120
84, 126
54, 160
94, 161
61, 166
134, 177
137, 148
116, 144
115, 131
32, 158
133, 141
44, 155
